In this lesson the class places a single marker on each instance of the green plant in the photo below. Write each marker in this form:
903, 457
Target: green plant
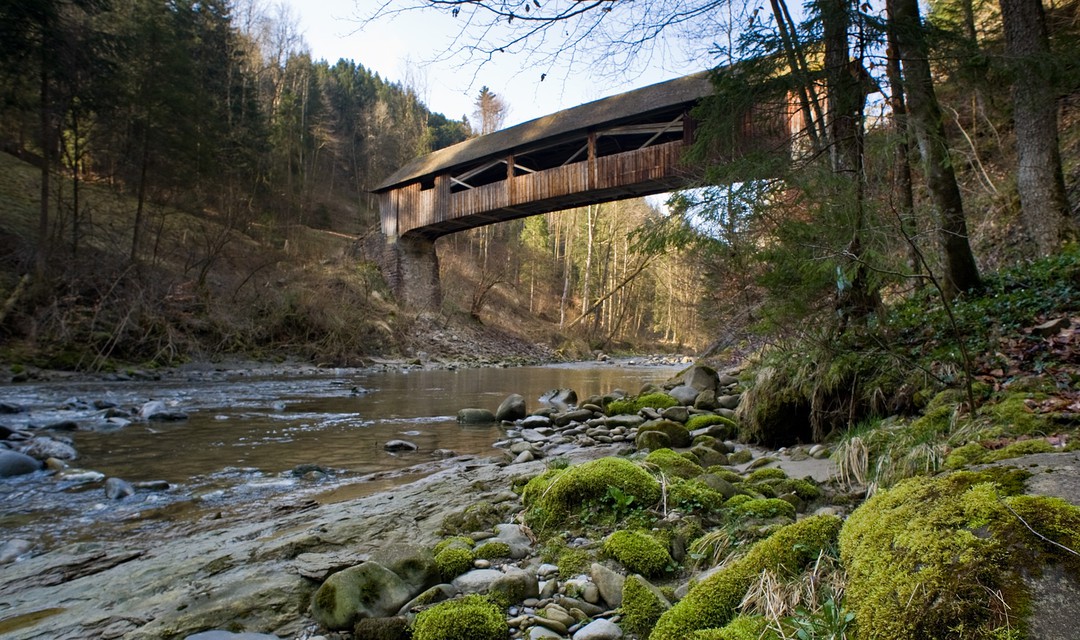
831, 622
621, 500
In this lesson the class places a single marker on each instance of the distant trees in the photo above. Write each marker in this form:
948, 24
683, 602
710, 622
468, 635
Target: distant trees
212, 105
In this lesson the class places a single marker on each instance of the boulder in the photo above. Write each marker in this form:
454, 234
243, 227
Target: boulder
706, 400
415, 565
44, 448
610, 584
368, 590
676, 414
701, 378
515, 538
476, 581
676, 432
728, 402
652, 440
515, 585
511, 409
560, 397
13, 463
624, 420
475, 416
536, 421
685, 394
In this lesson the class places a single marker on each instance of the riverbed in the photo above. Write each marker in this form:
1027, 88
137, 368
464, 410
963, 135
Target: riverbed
258, 436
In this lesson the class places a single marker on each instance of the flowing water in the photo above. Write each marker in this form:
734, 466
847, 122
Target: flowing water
252, 439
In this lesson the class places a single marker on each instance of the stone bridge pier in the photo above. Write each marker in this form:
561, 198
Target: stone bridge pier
411, 268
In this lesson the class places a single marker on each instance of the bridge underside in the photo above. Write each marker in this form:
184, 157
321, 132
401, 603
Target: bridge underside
621, 147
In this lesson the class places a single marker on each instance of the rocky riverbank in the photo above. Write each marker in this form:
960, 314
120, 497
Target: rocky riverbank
636, 516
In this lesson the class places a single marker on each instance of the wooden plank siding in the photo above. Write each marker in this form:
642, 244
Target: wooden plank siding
415, 209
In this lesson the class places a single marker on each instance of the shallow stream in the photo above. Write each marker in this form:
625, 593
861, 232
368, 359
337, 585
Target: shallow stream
251, 435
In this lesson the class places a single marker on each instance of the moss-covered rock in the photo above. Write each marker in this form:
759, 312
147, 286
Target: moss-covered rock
480, 516
555, 495
694, 496
742, 456
651, 400
642, 605
743, 627
470, 618
939, 546
677, 434
673, 464
726, 474
708, 420
494, 549
458, 542
638, 551
769, 473
368, 590
975, 453
1012, 413
803, 488
764, 509
708, 456
572, 562
712, 602
454, 561
652, 440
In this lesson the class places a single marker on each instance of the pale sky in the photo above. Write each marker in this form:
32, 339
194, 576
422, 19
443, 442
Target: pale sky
402, 50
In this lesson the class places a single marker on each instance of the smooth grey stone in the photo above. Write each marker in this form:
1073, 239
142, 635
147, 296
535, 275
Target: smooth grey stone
599, 630
610, 584
228, 635
512, 408
13, 463
12, 549
473, 415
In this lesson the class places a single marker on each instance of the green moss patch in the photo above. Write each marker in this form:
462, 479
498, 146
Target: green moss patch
975, 453
694, 496
743, 627
638, 551
673, 464
470, 618
764, 509
453, 561
677, 434
554, 496
712, 602
708, 420
642, 605
633, 405
490, 550
938, 547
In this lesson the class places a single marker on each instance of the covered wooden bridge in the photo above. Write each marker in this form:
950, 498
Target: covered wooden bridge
619, 147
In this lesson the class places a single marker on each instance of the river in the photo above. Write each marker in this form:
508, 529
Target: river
252, 437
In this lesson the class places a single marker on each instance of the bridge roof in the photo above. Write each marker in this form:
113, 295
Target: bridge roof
563, 124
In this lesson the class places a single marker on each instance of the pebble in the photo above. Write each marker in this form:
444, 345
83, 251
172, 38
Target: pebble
599, 630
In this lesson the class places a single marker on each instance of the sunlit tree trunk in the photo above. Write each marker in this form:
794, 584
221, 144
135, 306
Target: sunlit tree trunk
1039, 177
961, 272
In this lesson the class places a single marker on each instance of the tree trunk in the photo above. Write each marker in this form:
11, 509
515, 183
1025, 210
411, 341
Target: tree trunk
961, 273
902, 161
41, 255
1039, 177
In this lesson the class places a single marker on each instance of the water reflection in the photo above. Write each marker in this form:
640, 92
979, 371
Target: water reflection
246, 433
